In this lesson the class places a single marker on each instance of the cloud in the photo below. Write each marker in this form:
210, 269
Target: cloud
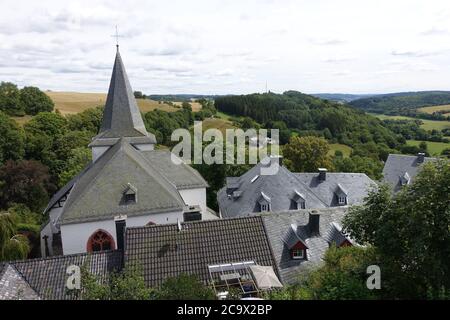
435, 32
327, 41
414, 54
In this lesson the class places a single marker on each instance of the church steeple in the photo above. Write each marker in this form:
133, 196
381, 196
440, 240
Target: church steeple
121, 117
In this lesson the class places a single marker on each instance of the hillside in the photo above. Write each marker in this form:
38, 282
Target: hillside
295, 112
341, 97
403, 103
75, 102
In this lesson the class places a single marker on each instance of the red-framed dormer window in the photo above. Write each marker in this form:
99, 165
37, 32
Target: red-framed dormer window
298, 251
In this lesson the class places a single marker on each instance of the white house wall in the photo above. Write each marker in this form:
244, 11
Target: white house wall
195, 197
75, 236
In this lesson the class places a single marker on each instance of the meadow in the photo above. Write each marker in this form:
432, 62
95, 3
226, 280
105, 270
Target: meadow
426, 124
346, 150
434, 148
432, 109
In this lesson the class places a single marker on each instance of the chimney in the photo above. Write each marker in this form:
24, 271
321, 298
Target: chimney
322, 174
314, 223
420, 157
121, 223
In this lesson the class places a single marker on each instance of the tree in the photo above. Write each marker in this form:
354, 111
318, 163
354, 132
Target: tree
129, 284
373, 168
11, 139
88, 120
343, 276
185, 287
35, 101
411, 232
138, 95
77, 161
10, 102
24, 181
307, 154
13, 246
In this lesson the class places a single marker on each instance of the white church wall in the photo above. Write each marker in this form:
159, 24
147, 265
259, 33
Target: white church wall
75, 236
195, 196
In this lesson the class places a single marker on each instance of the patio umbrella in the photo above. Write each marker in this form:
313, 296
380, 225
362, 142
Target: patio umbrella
265, 277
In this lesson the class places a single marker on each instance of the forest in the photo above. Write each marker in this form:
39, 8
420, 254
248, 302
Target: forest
404, 103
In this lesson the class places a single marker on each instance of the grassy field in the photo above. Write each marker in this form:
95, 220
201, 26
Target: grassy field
346, 150
434, 148
217, 123
426, 124
74, 102
432, 109
195, 105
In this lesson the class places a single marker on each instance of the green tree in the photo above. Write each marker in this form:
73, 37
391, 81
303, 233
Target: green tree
11, 139
25, 181
373, 168
307, 154
88, 120
77, 161
13, 246
35, 101
185, 287
129, 284
411, 232
10, 102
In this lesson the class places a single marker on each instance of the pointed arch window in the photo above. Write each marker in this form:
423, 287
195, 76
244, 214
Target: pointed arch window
100, 240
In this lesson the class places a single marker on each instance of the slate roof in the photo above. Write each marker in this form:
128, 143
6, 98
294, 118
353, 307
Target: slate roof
280, 188
355, 185
47, 277
13, 286
98, 193
397, 165
284, 188
164, 251
121, 117
278, 227
182, 175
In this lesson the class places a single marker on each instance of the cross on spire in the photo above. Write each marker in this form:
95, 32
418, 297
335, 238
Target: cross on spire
117, 36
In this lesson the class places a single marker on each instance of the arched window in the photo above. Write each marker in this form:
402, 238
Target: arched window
100, 240
150, 223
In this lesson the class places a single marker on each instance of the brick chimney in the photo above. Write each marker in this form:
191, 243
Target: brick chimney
420, 157
314, 223
322, 174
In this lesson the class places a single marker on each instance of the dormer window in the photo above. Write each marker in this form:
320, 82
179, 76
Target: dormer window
298, 200
264, 202
301, 204
129, 195
342, 195
298, 254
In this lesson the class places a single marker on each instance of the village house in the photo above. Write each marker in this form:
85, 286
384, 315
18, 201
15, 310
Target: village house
254, 192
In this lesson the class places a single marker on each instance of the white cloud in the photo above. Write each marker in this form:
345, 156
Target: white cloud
214, 46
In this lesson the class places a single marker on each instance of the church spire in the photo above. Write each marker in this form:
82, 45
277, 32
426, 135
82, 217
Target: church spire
121, 117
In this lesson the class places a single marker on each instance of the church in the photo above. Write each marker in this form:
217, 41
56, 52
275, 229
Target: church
127, 184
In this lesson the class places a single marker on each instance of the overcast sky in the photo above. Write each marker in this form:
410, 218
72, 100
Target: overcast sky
219, 47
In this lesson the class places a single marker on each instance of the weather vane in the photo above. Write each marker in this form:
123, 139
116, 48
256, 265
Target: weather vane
117, 36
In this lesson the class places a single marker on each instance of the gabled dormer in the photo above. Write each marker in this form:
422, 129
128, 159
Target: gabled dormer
129, 195
264, 202
405, 179
337, 237
341, 195
295, 244
299, 200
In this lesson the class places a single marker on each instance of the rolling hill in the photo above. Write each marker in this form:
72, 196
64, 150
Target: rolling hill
402, 103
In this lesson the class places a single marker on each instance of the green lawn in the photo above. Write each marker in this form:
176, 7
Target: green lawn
434, 148
346, 150
426, 124
432, 109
